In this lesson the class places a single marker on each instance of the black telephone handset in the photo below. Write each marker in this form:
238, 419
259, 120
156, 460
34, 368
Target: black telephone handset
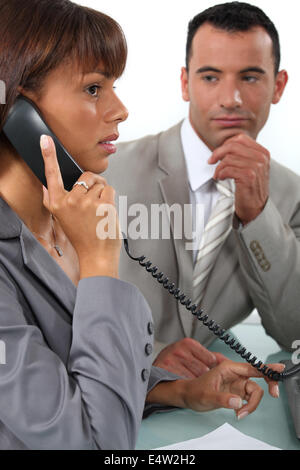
23, 128
209, 323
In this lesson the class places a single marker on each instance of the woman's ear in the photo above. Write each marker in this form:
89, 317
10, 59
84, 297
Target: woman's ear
19, 89
26, 93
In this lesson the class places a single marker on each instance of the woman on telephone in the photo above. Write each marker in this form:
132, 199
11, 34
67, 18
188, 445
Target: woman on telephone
77, 372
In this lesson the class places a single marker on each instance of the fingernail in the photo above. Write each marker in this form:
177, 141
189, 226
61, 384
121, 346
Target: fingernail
213, 361
242, 415
276, 391
209, 160
235, 403
44, 142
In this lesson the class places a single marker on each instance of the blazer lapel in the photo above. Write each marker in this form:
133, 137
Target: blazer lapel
37, 259
41, 264
175, 190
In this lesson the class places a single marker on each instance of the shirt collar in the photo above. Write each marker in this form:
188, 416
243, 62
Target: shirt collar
196, 155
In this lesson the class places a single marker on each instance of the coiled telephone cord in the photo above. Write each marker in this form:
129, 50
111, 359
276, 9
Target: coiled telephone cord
210, 324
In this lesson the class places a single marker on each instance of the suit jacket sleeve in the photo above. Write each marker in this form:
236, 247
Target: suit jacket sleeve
96, 401
269, 254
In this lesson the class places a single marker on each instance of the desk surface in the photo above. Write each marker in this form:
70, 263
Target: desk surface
271, 422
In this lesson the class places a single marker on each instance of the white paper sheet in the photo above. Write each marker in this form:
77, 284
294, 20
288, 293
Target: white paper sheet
226, 437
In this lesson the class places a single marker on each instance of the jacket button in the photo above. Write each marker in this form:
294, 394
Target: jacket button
260, 257
148, 349
255, 246
145, 375
266, 266
150, 327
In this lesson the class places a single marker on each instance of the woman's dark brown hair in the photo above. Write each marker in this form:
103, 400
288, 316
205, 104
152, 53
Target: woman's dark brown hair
36, 36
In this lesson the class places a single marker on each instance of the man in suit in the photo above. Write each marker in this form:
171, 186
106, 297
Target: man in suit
249, 256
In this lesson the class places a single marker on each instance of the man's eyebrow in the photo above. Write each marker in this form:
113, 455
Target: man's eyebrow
208, 68
253, 69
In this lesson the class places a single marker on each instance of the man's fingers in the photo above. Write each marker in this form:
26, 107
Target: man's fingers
242, 164
201, 353
248, 142
196, 367
248, 149
188, 366
188, 357
178, 369
220, 357
234, 149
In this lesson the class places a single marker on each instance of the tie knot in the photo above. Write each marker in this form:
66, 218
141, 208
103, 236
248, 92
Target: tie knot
226, 187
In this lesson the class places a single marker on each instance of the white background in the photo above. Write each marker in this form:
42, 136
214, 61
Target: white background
150, 87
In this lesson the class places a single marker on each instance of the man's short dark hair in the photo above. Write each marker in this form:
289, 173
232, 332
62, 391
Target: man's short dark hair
234, 17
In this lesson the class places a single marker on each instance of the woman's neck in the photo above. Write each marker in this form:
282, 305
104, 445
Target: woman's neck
22, 190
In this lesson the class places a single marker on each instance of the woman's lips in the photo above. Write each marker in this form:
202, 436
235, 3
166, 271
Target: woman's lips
108, 147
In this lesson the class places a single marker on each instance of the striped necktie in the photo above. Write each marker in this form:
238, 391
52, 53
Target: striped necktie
215, 233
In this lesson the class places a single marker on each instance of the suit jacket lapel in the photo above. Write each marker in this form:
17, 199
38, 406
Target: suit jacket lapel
225, 264
41, 264
175, 190
37, 259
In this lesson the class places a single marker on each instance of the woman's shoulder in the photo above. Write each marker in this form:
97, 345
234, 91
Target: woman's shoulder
11, 224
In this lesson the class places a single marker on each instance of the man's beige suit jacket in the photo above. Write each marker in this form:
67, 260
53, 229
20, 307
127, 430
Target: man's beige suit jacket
257, 267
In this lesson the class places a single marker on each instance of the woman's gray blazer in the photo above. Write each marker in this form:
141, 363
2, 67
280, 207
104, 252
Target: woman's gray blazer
75, 362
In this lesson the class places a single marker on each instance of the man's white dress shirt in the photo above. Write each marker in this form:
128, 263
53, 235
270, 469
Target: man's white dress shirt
202, 188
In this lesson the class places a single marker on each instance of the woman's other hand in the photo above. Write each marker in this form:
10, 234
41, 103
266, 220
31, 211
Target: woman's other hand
227, 385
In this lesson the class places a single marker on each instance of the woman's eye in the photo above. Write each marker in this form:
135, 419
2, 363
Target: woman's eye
94, 90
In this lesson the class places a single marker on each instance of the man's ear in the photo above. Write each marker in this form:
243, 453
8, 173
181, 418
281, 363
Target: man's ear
280, 84
184, 84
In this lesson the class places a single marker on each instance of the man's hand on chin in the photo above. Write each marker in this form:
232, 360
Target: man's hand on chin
248, 163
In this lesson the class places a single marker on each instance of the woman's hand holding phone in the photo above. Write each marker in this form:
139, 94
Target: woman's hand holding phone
88, 217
